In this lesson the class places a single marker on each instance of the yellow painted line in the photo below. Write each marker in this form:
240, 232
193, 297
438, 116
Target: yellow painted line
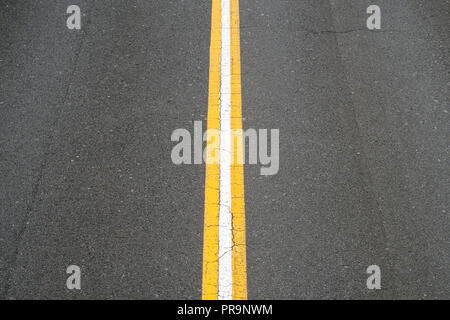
210, 284
211, 219
239, 260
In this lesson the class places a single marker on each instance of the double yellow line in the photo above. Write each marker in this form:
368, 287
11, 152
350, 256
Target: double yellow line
210, 286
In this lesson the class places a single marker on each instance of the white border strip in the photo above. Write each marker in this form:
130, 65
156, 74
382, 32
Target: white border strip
225, 219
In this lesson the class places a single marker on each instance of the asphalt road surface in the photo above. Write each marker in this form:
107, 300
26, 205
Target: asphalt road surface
86, 175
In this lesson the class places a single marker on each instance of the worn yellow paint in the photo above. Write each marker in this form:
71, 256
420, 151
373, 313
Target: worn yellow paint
211, 219
212, 180
239, 260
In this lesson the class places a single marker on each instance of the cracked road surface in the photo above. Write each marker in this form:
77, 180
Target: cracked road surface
86, 175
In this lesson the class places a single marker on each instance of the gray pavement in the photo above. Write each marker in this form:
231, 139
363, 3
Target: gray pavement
86, 176
364, 172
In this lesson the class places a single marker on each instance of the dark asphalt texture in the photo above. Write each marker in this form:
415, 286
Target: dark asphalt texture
86, 176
